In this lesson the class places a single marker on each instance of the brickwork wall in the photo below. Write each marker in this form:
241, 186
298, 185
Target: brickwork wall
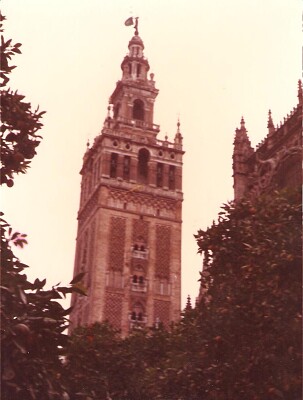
161, 311
163, 241
117, 243
140, 229
113, 309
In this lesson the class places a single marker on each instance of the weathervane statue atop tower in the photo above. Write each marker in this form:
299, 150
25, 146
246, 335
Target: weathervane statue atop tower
130, 21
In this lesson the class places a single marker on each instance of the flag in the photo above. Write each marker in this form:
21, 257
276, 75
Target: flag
129, 21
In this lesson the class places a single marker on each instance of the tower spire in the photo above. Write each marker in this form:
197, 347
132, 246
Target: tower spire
241, 154
300, 92
178, 136
242, 125
131, 185
270, 124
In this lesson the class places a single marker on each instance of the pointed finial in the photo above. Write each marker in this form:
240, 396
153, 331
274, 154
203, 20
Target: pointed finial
87, 144
108, 111
188, 304
242, 123
166, 138
270, 124
242, 126
300, 92
178, 136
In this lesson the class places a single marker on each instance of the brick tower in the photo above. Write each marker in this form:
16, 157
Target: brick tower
129, 220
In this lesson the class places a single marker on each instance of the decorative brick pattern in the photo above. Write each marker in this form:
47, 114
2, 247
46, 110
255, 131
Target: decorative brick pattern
113, 309
117, 243
163, 234
140, 229
138, 263
161, 312
135, 197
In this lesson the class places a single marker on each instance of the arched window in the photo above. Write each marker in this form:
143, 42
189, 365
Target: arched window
143, 159
135, 279
138, 110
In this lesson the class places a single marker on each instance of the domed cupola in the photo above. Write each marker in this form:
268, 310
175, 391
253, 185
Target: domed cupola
133, 99
135, 66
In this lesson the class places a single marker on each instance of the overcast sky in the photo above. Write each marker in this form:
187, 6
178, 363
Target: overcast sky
213, 60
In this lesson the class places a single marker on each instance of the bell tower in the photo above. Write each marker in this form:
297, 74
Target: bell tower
129, 219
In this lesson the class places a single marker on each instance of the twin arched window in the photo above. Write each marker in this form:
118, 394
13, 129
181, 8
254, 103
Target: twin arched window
138, 312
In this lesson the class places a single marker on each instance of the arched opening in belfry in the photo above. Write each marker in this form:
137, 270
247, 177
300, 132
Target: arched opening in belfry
138, 110
143, 158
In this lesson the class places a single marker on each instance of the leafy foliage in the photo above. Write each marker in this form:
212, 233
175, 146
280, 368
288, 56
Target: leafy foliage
20, 124
32, 319
32, 330
102, 365
250, 312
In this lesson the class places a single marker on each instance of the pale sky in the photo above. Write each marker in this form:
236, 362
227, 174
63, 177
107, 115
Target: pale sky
213, 60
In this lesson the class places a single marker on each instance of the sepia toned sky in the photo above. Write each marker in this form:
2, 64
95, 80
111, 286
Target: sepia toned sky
213, 60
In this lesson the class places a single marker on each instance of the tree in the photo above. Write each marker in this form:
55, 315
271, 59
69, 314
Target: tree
20, 124
32, 326
101, 365
250, 313
32, 320
243, 339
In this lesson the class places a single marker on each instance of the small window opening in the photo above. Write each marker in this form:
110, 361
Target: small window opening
138, 110
143, 166
138, 70
126, 168
116, 110
113, 165
159, 175
171, 177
